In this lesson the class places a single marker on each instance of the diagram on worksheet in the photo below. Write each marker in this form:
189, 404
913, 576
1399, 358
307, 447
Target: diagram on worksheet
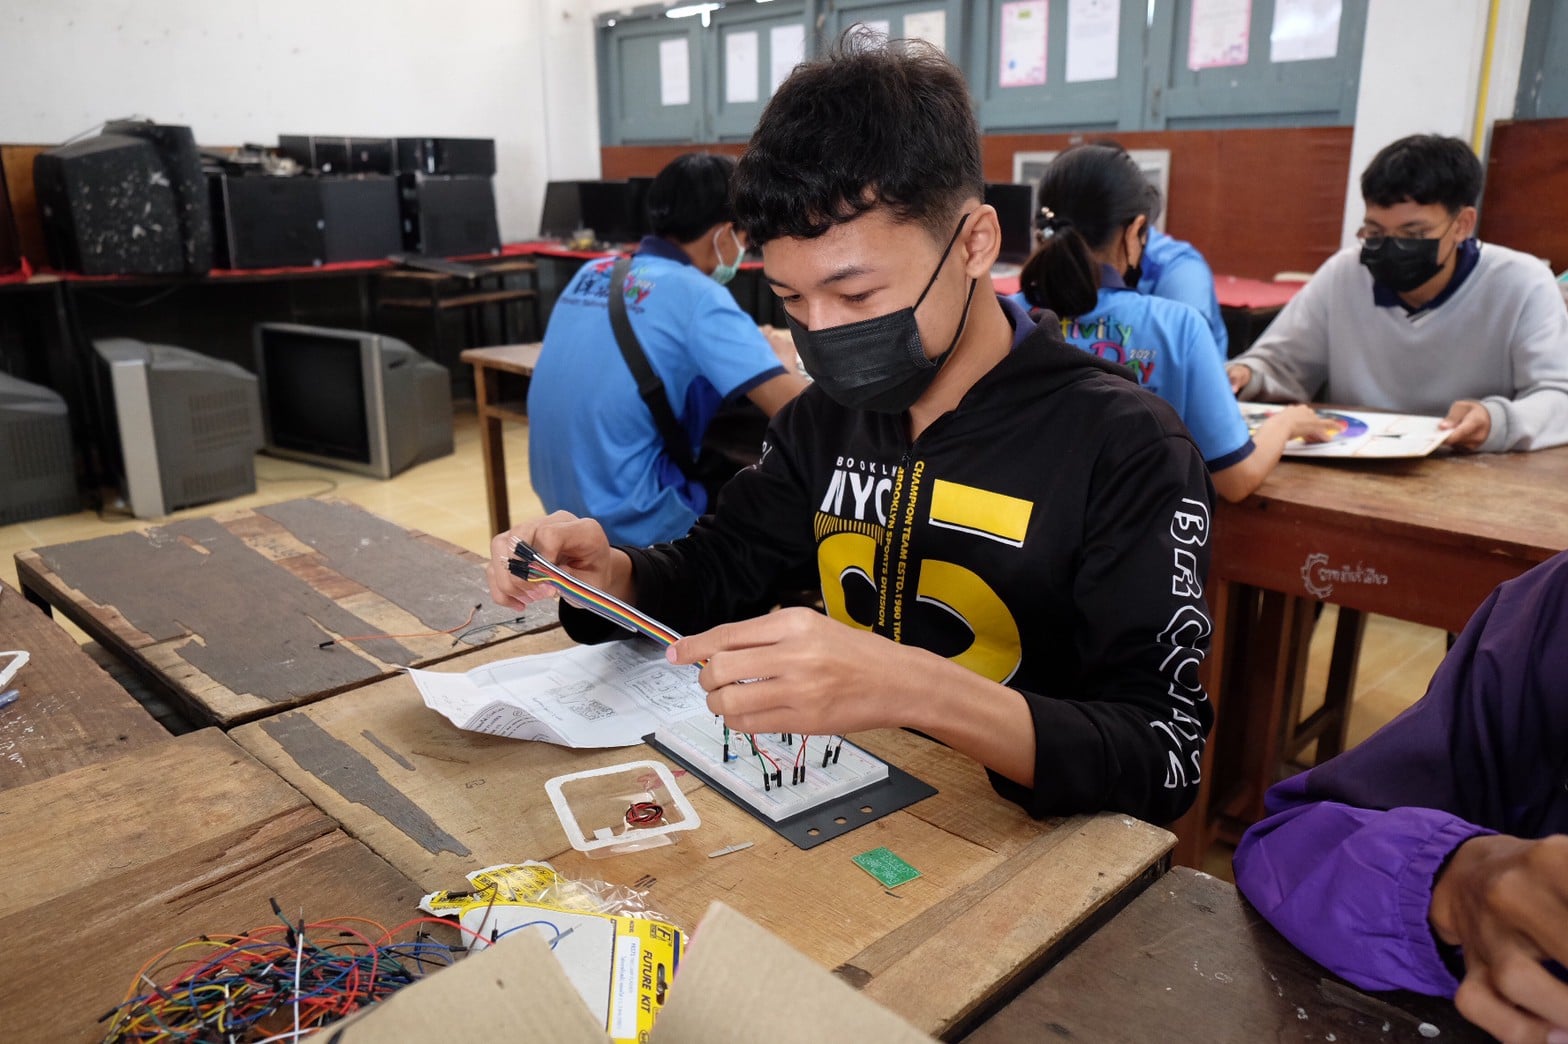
589, 696
779, 776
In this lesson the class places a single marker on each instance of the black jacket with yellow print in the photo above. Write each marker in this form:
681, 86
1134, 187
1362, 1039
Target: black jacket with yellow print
1049, 534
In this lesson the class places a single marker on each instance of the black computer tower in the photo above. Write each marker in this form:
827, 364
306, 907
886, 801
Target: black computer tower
176, 148
108, 208
450, 156
327, 154
10, 240
268, 222
363, 222
448, 216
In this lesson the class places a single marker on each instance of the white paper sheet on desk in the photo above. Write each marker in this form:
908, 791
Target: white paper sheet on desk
1361, 434
608, 695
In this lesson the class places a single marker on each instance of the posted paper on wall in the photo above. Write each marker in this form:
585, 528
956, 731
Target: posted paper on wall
1304, 30
930, 26
1023, 44
1219, 33
741, 72
1093, 38
607, 695
786, 49
674, 72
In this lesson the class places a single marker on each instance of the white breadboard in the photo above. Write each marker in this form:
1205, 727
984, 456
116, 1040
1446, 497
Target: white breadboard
699, 740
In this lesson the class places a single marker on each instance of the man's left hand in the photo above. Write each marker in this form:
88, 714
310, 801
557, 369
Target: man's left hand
1469, 422
796, 670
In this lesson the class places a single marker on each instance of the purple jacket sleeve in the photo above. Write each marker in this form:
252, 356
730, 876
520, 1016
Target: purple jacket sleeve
1344, 864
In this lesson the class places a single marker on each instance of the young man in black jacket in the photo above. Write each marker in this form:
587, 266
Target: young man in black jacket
1011, 537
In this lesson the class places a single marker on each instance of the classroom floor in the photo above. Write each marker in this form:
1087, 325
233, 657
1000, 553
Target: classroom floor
446, 498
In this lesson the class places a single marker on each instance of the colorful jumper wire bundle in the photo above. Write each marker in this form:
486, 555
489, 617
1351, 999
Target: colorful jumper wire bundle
279, 982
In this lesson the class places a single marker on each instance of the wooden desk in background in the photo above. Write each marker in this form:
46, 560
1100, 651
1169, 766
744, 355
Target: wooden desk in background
1189, 959
70, 713
1000, 895
108, 865
1421, 540
491, 367
226, 614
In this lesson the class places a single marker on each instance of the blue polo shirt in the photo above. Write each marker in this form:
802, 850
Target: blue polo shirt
1173, 269
1169, 347
593, 447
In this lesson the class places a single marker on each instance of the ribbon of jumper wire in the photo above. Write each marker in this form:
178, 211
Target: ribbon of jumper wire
528, 564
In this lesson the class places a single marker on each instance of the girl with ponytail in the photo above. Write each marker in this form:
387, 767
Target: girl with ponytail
1092, 226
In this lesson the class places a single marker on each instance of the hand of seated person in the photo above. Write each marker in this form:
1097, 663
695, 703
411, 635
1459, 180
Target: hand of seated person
783, 346
1470, 423
577, 545
1239, 374
1302, 422
1504, 900
796, 670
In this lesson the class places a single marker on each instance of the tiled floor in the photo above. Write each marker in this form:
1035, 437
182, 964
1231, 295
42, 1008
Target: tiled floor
446, 498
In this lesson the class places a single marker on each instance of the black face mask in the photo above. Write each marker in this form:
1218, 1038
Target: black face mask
877, 364
1403, 264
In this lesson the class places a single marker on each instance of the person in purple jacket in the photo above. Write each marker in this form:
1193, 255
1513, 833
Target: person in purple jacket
1434, 856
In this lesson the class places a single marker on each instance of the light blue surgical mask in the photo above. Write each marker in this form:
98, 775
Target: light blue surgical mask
724, 273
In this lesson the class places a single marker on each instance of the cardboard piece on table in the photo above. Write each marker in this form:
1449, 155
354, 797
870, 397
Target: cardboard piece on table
518, 990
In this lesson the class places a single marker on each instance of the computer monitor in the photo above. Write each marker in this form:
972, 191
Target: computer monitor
351, 399
182, 429
37, 467
563, 210
607, 209
638, 191
1015, 212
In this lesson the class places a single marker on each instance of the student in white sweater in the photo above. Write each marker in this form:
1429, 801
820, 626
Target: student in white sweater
1424, 318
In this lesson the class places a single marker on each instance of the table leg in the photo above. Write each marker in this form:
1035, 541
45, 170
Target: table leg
487, 391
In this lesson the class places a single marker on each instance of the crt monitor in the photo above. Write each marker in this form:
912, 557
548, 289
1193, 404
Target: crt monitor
351, 399
181, 428
1014, 205
563, 210
607, 209
37, 467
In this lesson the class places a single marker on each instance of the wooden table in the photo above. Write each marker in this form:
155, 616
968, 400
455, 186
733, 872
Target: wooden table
70, 713
491, 367
109, 864
226, 615
1423, 540
1000, 894
1190, 959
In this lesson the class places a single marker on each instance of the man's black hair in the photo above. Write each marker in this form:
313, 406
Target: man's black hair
690, 195
1423, 168
874, 123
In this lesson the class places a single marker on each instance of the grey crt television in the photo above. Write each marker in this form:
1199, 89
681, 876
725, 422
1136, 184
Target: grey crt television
180, 428
37, 465
351, 399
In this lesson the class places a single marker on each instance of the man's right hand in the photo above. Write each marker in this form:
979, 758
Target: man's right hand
1239, 374
1505, 901
577, 545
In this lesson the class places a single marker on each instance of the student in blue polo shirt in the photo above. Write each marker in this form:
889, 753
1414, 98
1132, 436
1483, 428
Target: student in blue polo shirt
1173, 269
1094, 220
594, 448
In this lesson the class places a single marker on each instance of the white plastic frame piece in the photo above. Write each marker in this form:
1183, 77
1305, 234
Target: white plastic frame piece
19, 658
605, 840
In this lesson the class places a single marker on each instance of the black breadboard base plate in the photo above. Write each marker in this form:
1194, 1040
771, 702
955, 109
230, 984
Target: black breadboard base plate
830, 819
